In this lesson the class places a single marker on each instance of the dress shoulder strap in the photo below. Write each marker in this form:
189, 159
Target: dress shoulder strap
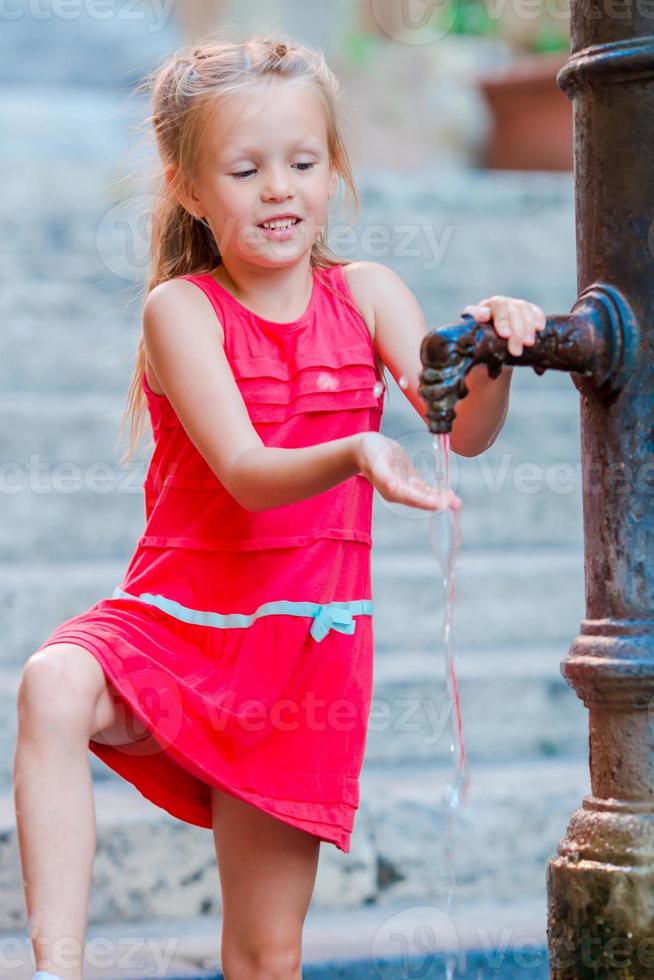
336, 282
206, 283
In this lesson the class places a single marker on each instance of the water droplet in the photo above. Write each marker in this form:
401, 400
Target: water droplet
450, 966
378, 387
403, 381
452, 795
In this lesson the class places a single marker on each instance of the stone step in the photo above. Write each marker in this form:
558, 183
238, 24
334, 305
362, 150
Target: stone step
66, 120
77, 354
80, 49
412, 716
539, 428
505, 597
508, 598
100, 505
427, 234
354, 943
398, 846
61, 469
72, 347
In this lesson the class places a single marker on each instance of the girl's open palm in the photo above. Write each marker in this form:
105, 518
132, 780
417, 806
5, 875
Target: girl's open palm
384, 462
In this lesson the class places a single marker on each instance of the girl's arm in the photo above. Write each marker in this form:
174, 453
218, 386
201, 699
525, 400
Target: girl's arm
400, 327
270, 476
183, 343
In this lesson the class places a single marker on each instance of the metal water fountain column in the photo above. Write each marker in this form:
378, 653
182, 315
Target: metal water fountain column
600, 884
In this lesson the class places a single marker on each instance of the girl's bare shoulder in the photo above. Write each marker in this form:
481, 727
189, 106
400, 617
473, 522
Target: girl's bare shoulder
187, 297
187, 302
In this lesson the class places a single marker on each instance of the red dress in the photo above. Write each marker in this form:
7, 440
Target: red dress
244, 640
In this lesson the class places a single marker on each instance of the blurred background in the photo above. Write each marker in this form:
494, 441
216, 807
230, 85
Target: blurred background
462, 149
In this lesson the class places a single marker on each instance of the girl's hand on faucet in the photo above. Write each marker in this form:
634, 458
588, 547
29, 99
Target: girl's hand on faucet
516, 319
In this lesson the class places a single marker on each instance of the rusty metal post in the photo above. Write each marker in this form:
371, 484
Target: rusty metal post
601, 883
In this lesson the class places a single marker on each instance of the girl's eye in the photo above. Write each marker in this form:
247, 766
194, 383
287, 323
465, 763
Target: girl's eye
245, 173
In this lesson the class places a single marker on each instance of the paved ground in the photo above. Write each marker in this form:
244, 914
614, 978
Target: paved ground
498, 939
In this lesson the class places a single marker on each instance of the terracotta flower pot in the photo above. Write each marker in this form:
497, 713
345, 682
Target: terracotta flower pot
531, 116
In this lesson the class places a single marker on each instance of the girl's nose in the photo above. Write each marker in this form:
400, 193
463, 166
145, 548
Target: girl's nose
277, 185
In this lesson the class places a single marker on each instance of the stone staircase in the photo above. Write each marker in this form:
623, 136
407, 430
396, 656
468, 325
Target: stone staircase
72, 516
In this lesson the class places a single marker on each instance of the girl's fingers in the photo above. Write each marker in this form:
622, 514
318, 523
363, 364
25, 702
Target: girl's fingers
533, 319
517, 320
527, 314
524, 320
518, 329
480, 311
501, 319
447, 501
408, 491
430, 498
451, 500
540, 318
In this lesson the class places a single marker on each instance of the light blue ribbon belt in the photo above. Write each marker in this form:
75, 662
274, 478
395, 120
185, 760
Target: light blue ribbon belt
326, 616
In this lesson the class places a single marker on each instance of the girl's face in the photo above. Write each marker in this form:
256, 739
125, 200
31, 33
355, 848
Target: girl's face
265, 154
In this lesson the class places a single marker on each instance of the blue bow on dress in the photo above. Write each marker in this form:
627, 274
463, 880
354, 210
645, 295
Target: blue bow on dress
331, 617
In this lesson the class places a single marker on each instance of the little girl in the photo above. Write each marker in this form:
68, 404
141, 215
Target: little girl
229, 675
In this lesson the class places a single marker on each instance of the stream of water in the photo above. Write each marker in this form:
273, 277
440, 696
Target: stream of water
445, 534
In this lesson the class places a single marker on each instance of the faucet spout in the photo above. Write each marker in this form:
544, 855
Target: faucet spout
595, 342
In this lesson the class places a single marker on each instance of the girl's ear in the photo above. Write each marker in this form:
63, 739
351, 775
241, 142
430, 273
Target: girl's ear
169, 174
185, 194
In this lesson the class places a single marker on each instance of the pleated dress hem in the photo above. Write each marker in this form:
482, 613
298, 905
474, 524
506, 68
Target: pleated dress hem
192, 799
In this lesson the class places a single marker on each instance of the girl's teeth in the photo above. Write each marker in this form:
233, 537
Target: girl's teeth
280, 224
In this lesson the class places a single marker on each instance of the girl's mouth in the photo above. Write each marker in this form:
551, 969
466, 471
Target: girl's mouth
282, 233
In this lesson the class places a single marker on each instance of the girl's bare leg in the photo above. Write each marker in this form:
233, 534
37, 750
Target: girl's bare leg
63, 700
267, 872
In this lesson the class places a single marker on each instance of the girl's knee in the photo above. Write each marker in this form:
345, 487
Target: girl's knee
58, 689
261, 959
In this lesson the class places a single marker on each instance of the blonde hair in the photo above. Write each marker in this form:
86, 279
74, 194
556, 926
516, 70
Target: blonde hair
182, 89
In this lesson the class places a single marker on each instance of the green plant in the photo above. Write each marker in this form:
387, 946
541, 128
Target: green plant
359, 47
541, 34
468, 17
